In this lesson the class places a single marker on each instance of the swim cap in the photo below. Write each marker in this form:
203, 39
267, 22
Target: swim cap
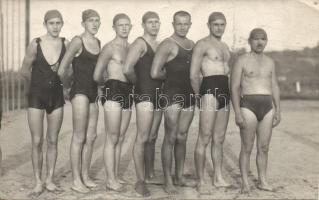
120, 16
50, 14
257, 31
215, 16
86, 14
149, 15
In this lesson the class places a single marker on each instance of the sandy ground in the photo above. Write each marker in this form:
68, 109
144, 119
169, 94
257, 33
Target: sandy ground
293, 159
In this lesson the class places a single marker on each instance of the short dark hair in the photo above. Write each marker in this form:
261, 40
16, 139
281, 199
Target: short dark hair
120, 16
256, 31
182, 13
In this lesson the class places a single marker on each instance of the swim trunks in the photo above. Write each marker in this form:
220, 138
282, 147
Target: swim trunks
83, 69
146, 88
177, 85
119, 91
218, 86
260, 105
46, 90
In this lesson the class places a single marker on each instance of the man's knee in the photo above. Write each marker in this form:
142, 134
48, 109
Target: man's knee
37, 142
113, 137
52, 141
218, 138
204, 136
142, 137
91, 138
181, 136
79, 137
247, 148
264, 148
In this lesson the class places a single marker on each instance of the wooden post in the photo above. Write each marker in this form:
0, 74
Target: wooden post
13, 99
19, 56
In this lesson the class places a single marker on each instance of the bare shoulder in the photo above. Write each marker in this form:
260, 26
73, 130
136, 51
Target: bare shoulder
202, 43
33, 44
107, 48
138, 43
66, 42
269, 60
243, 58
167, 44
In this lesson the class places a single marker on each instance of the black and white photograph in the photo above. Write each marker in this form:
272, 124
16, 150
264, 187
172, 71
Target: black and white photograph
165, 99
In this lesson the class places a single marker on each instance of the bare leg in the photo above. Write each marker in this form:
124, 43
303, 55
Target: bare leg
88, 146
35, 119
171, 116
264, 131
206, 127
247, 142
150, 146
144, 120
125, 122
219, 133
185, 119
80, 115
112, 118
54, 125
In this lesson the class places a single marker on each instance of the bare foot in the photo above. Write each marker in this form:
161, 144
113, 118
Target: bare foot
185, 183
170, 189
51, 187
245, 189
80, 187
154, 180
37, 191
221, 183
202, 188
265, 187
115, 186
89, 183
122, 181
141, 189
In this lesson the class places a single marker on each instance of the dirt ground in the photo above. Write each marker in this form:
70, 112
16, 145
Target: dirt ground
293, 159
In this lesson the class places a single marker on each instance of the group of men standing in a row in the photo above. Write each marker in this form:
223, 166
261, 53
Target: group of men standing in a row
170, 77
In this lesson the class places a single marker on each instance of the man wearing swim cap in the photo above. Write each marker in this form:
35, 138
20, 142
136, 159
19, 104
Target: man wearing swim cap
148, 115
172, 64
117, 99
209, 78
83, 53
45, 96
256, 102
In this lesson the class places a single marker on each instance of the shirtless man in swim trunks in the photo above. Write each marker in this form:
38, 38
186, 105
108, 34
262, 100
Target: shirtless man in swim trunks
45, 96
148, 115
117, 99
83, 53
172, 64
256, 102
210, 61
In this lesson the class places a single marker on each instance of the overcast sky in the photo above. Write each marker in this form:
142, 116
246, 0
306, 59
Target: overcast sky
290, 24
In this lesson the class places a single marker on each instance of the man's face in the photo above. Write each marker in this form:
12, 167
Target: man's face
92, 25
258, 43
217, 27
122, 27
181, 25
54, 26
152, 26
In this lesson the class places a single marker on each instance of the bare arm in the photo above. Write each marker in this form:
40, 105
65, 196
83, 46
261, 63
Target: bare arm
161, 56
102, 62
236, 75
73, 48
197, 58
134, 53
276, 97
26, 67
